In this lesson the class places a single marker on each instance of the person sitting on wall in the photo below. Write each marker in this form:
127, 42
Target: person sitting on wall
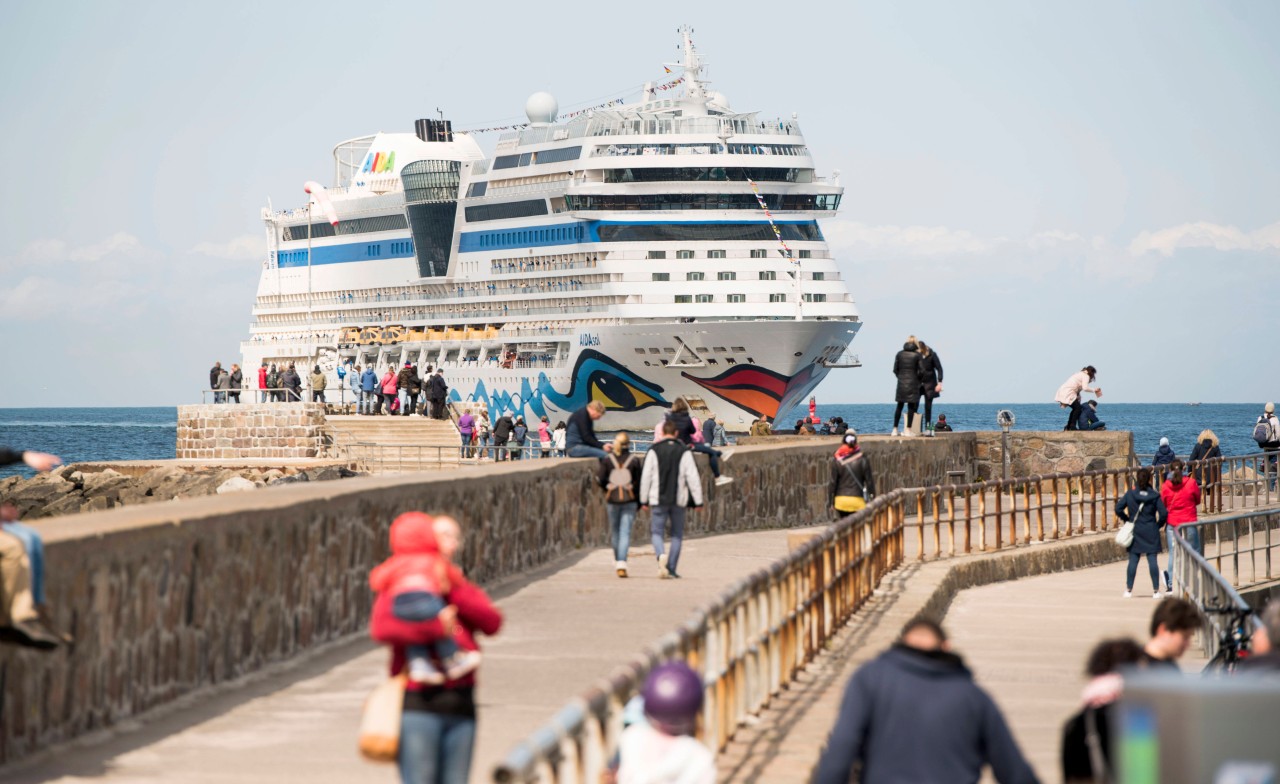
1089, 417
942, 426
22, 567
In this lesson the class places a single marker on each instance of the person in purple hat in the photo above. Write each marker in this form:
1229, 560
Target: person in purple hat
662, 748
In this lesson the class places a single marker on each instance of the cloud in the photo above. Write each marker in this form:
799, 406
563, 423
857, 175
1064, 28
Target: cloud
1203, 234
120, 242
908, 240
246, 246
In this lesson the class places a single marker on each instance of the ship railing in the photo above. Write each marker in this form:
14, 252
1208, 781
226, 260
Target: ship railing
715, 126
525, 267
452, 312
471, 291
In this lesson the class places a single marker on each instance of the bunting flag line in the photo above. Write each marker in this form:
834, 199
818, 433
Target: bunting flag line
671, 85
776, 231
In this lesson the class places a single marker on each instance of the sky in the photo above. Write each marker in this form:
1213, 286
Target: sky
1029, 187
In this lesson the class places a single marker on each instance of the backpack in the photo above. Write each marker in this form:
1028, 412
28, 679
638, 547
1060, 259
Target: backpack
1262, 432
619, 489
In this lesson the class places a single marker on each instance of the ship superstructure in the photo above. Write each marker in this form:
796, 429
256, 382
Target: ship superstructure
633, 254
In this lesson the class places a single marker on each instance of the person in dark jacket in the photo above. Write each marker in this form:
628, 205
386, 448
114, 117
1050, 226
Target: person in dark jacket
292, 382
519, 434
438, 392
368, 389
930, 383
709, 429
906, 366
1144, 507
943, 426
501, 434
914, 714
406, 381
237, 383
685, 430
1204, 461
1089, 417
580, 435
1164, 455
275, 380
852, 484
214, 372
1086, 736
621, 501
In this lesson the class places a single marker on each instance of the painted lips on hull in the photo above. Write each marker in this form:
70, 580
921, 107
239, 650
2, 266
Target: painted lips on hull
758, 390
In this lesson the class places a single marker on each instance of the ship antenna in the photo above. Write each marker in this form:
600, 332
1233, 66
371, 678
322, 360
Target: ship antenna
694, 87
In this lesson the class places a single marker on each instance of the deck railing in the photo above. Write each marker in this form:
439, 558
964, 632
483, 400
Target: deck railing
753, 640
1201, 579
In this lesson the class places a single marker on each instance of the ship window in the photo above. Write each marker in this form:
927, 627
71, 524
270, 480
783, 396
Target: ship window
704, 298
819, 276
759, 253
740, 348
715, 254
815, 297
804, 254
731, 361
669, 350
639, 351
345, 226
509, 209
663, 276
705, 174
726, 276
737, 298
702, 201
684, 254
556, 156
506, 161
768, 275
712, 361
694, 275
478, 188
777, 297
657, 254
719, 349
683, 299
654, 351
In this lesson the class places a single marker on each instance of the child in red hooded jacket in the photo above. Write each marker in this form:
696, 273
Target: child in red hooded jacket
416, 578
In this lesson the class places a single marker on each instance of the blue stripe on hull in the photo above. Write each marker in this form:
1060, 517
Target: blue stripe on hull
379, 250
570, 233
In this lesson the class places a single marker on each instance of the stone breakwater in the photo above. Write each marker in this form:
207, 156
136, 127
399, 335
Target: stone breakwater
77, 489
166, 599
250, 431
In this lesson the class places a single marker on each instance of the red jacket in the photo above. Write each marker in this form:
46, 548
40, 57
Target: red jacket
1181, 501
476, 613
262, 378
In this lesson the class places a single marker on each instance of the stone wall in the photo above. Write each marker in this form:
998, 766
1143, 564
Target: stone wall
1041, 452
249, 431
168, 598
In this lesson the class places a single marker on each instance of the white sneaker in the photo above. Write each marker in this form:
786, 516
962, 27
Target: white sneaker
1128, 594
1155, 595
621, 568
662, 567
461, 663
723, 480
893, 433
908, 432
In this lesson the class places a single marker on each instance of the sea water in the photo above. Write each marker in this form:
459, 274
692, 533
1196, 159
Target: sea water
83, 434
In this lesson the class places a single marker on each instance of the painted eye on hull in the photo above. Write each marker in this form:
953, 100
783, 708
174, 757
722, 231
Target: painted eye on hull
616, 393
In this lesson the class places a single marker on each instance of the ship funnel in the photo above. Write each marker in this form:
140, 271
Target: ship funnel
434, 130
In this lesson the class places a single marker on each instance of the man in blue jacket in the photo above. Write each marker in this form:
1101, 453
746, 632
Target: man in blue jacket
369, 389
914, 714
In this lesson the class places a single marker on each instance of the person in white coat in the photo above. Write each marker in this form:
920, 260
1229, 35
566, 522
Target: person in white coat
669, 485
1069, 393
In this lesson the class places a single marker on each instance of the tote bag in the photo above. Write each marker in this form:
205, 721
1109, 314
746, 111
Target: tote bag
380, 723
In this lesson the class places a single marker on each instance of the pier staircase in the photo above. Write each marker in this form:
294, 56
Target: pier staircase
393, 444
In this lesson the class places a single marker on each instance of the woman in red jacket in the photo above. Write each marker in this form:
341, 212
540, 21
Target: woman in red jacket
1181, 496
438, 726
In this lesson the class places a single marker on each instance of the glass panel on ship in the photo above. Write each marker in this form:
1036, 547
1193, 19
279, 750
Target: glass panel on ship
640, 252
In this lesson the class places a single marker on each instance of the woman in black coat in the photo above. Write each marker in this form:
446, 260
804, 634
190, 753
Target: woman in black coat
930, 380
906, 366
1146, 510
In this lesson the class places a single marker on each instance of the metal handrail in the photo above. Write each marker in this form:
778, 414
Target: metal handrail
1196, 580
753, 640
1253, 535
749, 642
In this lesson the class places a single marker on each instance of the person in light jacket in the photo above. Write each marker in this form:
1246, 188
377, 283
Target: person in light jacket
318, 384
353, 383
669, 485
1069, 393
389, 388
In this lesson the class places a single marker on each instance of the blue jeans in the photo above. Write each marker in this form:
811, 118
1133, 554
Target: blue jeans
1151, 566
465, 451
422, 606
434, 748
1191, 534
34, 545
368, 399
622, 518
657, 526
582, 450
713, 457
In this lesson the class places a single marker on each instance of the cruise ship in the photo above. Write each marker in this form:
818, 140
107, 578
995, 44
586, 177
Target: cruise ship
634, 253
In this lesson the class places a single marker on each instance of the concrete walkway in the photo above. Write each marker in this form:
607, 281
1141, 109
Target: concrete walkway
567, 625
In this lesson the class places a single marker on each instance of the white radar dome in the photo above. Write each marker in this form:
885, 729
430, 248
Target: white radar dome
541, 108
720, 100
